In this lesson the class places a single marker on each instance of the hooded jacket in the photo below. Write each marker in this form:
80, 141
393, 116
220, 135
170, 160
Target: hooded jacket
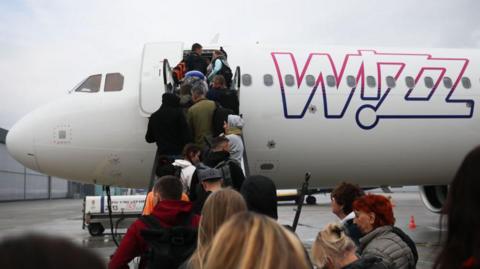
196, 62
260, 193
186, 174
168, 212
236, 146
233, 134
168, 127
225, 97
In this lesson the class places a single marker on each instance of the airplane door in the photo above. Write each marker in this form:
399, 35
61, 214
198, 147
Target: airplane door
236, 80
168, 81
156, 77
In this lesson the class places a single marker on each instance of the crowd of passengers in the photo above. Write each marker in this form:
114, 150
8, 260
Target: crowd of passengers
203, 213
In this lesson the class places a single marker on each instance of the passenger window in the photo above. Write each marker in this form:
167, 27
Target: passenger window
447, 82
410, 82
428, 82
467, 84
371, 82
246, 79
391, 82
351, 81
268, 80
331, 81
310, 80
289, 80
91, 84
113, 82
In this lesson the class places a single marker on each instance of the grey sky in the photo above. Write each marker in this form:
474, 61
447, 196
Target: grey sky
46, 47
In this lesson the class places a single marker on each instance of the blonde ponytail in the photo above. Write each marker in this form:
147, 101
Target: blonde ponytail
330, 245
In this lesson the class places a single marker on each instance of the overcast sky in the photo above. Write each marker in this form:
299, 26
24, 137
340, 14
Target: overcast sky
48, 46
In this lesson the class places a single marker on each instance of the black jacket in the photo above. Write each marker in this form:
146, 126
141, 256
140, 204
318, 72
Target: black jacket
352, 231
196, 62
367, 263
225, 97
260, 193
200, 201
168, 127
214, 158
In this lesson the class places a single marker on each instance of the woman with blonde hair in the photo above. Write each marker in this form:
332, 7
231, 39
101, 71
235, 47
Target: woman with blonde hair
333, 249
253, 241
218, 208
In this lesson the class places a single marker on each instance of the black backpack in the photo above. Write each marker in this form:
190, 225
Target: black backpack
170, 247
224, 167
220, 115
165, 167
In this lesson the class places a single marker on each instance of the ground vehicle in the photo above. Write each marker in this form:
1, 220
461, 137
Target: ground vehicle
125, 210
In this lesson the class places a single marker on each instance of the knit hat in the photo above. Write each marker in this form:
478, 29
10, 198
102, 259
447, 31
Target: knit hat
260, 193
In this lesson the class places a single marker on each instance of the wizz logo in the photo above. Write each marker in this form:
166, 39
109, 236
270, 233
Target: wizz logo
380, 101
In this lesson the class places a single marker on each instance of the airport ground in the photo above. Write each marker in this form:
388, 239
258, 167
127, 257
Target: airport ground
64, 218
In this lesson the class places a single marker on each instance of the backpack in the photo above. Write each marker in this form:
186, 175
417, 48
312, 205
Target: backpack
177, 171
224, 167
164, 167
178, 174
407, 241
220, 115
178, 72
168, 247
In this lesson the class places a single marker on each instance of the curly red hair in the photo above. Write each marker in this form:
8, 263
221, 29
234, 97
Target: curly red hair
379, 205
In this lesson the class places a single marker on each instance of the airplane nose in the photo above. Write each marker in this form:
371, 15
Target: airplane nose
20, 143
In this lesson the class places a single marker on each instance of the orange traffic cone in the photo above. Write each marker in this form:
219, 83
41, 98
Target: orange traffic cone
412, 224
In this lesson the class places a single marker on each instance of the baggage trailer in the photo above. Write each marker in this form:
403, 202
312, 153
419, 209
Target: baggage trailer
125, 210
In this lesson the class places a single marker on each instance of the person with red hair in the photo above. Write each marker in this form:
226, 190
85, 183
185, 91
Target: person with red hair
374, 217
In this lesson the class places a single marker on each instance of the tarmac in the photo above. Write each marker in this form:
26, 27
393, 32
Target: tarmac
64, 218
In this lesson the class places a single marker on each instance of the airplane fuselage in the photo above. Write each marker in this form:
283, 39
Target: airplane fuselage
377, 117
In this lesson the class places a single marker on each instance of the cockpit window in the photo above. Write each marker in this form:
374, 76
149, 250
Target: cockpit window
113, 82
91, 84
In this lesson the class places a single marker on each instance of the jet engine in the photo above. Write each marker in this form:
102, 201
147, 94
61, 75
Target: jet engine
434, 197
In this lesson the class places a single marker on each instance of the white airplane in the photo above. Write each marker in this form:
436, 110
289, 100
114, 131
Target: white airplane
376, 117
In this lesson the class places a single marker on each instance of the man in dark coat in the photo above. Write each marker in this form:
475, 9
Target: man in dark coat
195, 61
220, 153
225, 97
168, 127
